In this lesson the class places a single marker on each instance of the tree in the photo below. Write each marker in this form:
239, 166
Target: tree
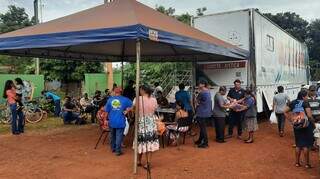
314, 48
68, 71
15, 18
169, 12
314, 40
292, 23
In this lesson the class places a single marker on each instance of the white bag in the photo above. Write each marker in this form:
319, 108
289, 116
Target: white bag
126, 129
273, 118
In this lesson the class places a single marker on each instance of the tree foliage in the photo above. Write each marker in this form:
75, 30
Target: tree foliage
17, 18
14, 19
68, 71
292, 23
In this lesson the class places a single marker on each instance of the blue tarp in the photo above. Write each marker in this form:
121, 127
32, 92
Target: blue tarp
66, 39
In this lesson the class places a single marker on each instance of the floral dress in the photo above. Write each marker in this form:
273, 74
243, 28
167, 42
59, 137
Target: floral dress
148, 140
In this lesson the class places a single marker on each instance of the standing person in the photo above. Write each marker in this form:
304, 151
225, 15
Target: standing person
203, 113
299, 112
130, 91
183, 96
156, 90
235, 95
148, 141
117, 107
250, 115
19, 90
56, 100
280, 102
318, 88
314, 103
9, 93
219, 113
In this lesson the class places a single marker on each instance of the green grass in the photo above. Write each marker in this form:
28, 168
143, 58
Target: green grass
48, 124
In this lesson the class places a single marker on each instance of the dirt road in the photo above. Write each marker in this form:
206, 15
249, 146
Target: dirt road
69, 153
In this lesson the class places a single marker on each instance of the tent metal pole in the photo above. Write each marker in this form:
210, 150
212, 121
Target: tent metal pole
135, 157
122, 74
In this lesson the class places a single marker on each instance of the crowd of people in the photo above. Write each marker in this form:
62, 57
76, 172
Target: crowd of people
235, 107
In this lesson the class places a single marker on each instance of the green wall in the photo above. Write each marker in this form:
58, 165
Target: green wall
98, 81
36, 80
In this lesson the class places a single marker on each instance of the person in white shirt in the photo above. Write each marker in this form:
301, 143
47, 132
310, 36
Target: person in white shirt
157, 89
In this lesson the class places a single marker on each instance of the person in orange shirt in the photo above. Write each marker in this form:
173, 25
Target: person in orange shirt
9, 93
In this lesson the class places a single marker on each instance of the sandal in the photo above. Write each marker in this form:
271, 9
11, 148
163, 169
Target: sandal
308, 166
146, 166
139, 165
298, 165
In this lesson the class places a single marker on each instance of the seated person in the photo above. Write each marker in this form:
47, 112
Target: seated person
102, 117
162, 101
70, 112
85, 103
181, 114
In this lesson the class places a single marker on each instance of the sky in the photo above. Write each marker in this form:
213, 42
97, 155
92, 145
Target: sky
53, 9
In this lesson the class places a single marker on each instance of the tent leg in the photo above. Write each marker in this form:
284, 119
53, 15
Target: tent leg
122, 74
135, 158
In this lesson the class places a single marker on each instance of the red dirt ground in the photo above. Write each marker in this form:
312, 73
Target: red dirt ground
69, 153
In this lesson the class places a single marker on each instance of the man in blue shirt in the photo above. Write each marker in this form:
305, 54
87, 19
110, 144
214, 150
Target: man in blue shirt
56, 101
116, 107
203, 113
185, 98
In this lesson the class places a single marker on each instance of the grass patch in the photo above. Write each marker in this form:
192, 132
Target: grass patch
45, 125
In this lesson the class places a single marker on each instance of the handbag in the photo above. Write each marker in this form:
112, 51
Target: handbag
299, 117
161, 127
300, 120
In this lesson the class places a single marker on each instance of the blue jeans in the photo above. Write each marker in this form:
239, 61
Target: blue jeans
17, 118
68, 117
116, 139
57, 108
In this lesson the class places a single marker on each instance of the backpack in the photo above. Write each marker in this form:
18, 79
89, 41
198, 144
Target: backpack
299, 117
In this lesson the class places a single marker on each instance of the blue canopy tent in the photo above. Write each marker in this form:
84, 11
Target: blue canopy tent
123, 30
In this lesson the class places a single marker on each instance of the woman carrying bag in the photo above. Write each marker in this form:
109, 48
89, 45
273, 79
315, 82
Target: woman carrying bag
299, 113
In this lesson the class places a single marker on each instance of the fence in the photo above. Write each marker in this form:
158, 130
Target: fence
98, 81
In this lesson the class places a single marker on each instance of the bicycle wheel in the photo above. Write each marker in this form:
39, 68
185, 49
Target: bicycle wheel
5, 116
33, 116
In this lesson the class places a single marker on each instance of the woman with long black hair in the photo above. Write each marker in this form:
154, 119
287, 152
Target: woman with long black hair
9, 93
299, 112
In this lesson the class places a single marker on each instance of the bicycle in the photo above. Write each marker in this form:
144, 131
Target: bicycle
33, 113
5, 114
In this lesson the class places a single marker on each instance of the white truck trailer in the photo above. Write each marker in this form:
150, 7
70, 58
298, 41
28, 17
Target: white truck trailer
276, 57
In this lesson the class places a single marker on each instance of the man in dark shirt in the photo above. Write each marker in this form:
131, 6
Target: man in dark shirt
235, 94
130, 91
69, 109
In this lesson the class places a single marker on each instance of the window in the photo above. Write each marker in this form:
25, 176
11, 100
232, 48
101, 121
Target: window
270, 43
